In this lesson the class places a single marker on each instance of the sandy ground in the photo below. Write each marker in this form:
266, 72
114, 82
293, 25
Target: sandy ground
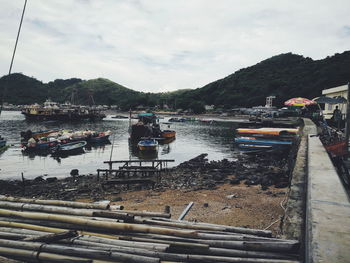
248, 207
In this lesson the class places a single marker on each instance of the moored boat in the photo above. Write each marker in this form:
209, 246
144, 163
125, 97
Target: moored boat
43, 145
37, 134
251, 143
69, 148
101, 137
61, 112
147, 145
168, 134
268, 131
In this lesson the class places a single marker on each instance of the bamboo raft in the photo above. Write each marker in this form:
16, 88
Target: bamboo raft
66, 231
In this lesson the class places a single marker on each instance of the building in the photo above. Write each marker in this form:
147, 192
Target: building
341, 91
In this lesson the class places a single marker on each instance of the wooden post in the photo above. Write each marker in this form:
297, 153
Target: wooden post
23, 184
187, 209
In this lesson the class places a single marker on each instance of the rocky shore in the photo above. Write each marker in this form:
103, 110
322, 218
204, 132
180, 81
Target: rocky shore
196, 174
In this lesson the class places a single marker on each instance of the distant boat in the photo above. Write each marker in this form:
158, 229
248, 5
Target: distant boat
120, 117
251, 143
62, 112
147, 145
69, 148
168, 134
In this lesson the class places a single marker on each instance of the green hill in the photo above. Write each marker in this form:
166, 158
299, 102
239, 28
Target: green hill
285, 76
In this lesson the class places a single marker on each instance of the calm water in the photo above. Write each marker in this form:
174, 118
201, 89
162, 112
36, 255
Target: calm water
192, 139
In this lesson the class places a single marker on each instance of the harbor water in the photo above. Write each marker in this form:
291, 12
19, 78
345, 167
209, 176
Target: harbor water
192, 139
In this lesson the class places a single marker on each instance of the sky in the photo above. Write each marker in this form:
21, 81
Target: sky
165, 45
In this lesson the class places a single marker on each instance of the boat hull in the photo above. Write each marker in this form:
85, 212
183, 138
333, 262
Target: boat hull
147, 148
62, 117
167, 134
70, 148
258, 144
148, 145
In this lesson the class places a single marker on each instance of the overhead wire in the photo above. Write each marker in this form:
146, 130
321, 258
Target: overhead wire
13, 55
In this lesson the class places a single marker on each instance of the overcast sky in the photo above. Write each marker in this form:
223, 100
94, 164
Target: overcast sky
164, 45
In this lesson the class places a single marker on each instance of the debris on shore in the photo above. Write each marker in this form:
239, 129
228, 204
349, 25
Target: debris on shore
196, 174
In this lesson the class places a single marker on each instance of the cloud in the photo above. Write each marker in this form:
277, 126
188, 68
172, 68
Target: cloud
163, 45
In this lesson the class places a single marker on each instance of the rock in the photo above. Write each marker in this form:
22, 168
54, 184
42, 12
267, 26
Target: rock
205, 205
51, 179
74, 172
235, 181
38, 179
232, 196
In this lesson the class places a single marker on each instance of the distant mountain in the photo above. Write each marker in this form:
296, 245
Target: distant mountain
285, 76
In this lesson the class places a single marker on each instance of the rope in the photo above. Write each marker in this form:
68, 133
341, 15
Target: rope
13, 54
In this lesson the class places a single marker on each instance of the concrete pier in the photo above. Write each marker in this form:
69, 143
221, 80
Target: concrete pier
327, 209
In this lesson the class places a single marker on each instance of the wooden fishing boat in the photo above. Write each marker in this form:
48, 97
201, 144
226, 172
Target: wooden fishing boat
69, 148
268, 131
147, 145
37, 135
168, 134
338, 148
254, 144
40, 146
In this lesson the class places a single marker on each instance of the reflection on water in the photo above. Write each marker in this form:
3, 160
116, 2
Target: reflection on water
192, 139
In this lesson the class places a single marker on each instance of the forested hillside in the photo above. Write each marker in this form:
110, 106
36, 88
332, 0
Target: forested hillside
285, 76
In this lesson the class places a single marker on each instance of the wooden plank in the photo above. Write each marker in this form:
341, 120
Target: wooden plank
140, 161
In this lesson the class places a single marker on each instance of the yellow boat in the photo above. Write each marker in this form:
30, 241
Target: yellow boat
269, 131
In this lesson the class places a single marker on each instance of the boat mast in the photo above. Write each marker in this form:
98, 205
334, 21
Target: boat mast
13, 55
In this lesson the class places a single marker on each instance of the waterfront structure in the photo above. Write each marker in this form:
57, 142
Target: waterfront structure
340, 91
62, 112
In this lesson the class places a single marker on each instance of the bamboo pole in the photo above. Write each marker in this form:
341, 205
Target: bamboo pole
51, 229
147, 214
184, 255
32, 256
50, 238
102, 205
234, 229
62, 210
98, 224
69, 251
122, 243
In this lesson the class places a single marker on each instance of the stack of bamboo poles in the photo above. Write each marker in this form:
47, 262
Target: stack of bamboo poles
60, 231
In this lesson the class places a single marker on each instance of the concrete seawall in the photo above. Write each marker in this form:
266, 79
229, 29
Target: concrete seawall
318, 208
327, 209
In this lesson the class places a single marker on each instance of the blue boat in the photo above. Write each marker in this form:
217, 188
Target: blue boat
41, 146
69, 148
147, 145
251, 143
